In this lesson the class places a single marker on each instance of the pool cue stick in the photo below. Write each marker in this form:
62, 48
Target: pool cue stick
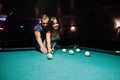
54, 45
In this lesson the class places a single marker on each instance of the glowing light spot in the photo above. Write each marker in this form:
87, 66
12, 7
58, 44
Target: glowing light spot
117, 23
73, 28
21, 26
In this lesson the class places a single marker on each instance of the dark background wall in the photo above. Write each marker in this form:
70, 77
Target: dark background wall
94, 22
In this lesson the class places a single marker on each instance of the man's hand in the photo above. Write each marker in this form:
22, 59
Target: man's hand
43, 50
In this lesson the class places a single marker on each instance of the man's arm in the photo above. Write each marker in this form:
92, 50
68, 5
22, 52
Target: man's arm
39, 40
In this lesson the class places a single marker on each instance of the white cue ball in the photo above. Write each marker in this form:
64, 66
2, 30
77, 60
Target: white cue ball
77, 50
49, 56
87, 53
71, 52
64, 50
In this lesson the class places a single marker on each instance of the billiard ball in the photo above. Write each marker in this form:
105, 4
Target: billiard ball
49, 56
77, 50
64, 50
71, 52
87, 53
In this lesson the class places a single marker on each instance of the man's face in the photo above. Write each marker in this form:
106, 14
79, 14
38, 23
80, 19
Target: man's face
45, 23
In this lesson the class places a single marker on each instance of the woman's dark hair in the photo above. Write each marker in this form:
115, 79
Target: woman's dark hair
50, 27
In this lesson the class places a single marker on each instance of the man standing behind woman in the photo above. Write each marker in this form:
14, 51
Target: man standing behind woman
40, 33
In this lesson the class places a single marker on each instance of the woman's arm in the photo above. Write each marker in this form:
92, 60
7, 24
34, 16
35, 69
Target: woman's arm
48, 41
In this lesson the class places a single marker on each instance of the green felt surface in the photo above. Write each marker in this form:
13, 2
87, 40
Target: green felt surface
32, 65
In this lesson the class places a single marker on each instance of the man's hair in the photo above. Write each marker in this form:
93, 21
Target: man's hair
45, 17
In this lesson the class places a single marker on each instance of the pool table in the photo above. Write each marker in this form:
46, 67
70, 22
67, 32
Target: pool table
30, 64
